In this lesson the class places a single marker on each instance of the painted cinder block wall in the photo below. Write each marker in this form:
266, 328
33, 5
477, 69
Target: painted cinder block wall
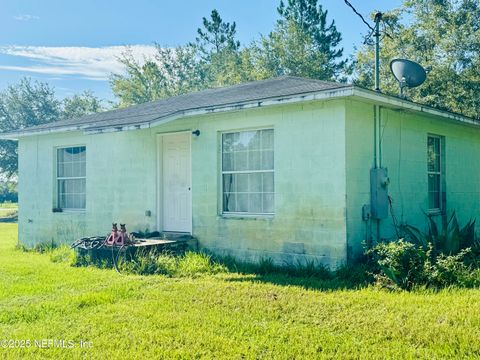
122, 171
119, 171
404, 153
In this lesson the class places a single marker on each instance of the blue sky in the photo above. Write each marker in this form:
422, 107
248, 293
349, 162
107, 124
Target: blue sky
73, 45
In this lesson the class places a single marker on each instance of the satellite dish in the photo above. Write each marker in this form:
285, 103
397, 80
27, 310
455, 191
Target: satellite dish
408, 73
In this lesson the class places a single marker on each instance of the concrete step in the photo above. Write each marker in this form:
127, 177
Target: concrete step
176, 236
191, 241
187, 239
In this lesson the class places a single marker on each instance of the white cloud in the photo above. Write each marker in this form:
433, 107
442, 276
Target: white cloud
26, 17
94, 63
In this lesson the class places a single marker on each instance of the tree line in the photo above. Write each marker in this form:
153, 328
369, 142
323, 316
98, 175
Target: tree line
442, 35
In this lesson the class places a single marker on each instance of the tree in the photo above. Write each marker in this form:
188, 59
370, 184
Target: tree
216, 36
444, 37
8, 191
290, 51
81, 104
213, 60
221, 61
302, 43
313, 20
25, 104
172, 71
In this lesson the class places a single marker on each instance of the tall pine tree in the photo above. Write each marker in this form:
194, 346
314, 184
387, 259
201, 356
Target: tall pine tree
216, 35
303, 43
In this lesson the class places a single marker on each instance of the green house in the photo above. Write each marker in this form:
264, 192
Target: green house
279, 169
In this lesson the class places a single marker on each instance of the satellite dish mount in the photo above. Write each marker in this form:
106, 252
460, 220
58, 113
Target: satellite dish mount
408, 73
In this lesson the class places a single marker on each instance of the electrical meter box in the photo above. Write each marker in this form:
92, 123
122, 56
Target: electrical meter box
379, 203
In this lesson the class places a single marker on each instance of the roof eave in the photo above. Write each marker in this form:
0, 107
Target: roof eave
410, 105
16, 135
319, 95
345, 91
88, 129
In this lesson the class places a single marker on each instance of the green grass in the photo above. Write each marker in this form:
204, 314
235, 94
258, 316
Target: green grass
9, 205
227, 315
8, 212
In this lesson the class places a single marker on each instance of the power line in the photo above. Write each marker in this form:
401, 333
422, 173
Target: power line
359, 15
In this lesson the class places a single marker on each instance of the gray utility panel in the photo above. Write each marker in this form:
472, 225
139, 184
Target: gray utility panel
379, 193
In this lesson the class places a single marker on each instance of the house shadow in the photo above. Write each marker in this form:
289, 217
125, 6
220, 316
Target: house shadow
308, 283
307, 276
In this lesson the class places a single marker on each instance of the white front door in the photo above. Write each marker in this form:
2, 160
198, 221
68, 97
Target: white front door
177, 203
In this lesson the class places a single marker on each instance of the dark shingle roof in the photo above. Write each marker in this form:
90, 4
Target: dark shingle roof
152, 111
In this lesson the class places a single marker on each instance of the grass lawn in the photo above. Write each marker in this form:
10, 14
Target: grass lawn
8, 212
220, 316
9, 205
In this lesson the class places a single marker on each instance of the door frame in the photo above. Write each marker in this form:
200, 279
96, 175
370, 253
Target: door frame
160, 174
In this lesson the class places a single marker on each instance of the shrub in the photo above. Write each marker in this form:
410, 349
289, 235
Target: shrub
404, 265
436, 258
400, 263
448, 270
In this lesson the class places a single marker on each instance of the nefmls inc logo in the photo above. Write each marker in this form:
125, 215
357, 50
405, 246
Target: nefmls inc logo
52, 343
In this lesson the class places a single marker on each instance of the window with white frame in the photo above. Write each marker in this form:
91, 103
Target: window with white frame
434, 172
248, 172
71, 176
